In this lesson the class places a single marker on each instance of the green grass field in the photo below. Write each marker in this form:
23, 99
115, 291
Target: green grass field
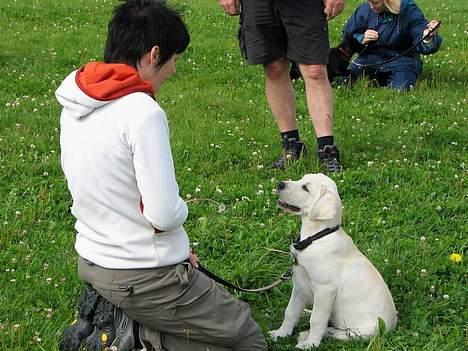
403, 187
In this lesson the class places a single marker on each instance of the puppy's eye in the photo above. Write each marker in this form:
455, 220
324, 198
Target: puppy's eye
304, 187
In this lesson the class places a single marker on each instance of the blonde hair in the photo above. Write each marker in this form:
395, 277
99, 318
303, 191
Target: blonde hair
393, 6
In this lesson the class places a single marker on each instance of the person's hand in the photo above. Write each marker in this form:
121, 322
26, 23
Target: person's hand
231, 7
430, 27
333, 8
193, 259
370, 36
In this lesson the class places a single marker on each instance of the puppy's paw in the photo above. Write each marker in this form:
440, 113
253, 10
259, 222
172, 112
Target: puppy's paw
303, 336
279, 333
304, 342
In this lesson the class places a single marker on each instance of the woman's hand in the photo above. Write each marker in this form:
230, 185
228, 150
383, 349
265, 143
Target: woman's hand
231, 7
193, 259
430, 27
370, 36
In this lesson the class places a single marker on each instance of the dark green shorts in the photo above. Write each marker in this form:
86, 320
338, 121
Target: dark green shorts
295, 29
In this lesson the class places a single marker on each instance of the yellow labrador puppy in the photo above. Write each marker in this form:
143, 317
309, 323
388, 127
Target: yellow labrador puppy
347, 292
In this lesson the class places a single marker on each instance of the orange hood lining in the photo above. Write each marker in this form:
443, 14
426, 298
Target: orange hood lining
109, 81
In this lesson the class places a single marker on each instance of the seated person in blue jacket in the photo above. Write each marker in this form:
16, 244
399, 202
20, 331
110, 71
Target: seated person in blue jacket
384, 29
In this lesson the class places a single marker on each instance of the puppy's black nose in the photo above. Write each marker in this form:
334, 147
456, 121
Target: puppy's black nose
281, 185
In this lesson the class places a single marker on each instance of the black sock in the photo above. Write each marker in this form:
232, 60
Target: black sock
290, 135
325, 140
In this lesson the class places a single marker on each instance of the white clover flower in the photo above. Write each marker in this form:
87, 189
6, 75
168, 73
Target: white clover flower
423, 238
446, 296
221, 208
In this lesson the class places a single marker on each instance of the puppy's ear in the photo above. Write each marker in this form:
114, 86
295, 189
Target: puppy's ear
327, 206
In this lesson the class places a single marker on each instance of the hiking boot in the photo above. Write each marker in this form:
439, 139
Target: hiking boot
125, 331
329, 156
104, 330
83, 326
292, 151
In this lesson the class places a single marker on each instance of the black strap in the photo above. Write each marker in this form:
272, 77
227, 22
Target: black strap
284, 276
303, 244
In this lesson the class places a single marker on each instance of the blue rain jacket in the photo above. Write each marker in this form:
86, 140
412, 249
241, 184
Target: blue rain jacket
397, 33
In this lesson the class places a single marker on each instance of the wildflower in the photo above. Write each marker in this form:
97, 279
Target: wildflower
221, 208
446, 296
456, 258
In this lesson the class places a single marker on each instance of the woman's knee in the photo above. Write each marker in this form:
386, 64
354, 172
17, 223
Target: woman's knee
402, 80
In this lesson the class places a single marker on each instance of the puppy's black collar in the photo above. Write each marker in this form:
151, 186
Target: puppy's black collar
303, 244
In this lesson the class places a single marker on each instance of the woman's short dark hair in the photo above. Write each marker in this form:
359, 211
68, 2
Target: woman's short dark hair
139, 25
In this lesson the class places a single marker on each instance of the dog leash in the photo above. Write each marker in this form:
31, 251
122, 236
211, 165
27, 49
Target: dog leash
379, 65
285, 276
298, 245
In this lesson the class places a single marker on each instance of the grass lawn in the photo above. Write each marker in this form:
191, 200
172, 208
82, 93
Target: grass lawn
403, 188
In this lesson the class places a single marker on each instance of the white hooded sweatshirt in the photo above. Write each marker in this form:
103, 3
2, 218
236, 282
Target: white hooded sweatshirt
117, 160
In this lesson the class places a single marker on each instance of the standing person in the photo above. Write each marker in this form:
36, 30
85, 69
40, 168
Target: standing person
116, 156
384, 29
273, 32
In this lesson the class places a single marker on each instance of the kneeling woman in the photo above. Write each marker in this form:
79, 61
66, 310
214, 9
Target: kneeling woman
385, 29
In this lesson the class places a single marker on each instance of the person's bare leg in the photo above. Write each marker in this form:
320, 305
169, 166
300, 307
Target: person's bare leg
319, 98
280, 94
320, 104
